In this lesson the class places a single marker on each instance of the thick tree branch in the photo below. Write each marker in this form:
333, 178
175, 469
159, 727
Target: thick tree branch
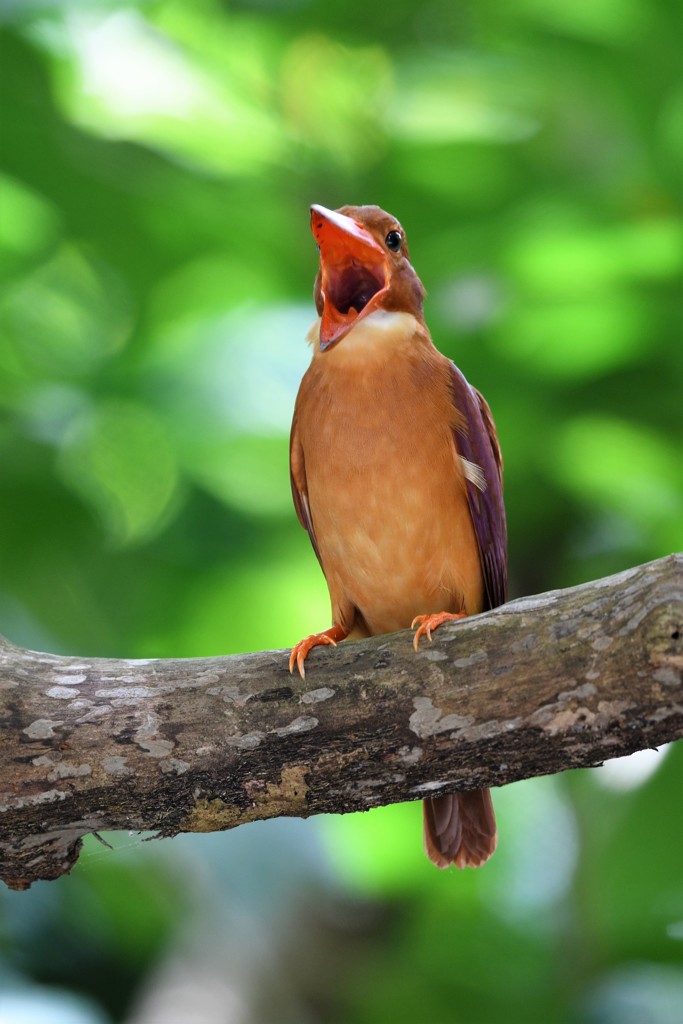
563, 680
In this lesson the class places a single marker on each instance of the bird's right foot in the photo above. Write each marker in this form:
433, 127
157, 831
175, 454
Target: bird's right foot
301, 650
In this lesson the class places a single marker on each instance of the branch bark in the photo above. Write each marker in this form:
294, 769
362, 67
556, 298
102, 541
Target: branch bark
562, 680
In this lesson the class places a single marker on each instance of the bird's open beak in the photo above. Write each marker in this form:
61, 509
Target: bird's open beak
354, 272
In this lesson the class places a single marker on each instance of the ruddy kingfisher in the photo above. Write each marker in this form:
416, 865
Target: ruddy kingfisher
396, 473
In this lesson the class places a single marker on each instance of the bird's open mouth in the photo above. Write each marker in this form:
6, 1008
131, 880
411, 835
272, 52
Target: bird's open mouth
350, 288
354, 272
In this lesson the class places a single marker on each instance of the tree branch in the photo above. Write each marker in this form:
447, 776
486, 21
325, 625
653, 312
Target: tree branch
562, 680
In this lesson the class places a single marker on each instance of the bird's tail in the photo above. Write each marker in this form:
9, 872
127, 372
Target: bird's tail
460, 829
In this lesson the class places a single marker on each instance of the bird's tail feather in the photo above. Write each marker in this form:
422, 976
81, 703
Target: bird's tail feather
460, 829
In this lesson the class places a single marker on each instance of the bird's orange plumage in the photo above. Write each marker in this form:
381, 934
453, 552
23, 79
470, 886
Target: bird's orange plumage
382, 471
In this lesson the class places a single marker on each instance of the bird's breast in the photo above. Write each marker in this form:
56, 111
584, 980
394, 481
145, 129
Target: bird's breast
385, 486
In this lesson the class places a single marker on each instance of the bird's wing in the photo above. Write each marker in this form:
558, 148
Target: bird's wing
477, 443
297, 474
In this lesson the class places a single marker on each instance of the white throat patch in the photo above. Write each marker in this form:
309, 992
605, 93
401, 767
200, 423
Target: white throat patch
375, 334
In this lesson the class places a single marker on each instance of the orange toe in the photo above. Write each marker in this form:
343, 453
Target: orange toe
301, 650
426, 623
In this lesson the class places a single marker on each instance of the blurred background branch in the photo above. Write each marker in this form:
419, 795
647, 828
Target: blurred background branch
547, 683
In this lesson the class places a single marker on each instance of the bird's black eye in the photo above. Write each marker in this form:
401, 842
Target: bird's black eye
394, 240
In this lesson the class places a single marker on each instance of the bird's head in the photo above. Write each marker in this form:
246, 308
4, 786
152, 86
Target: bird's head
364, 267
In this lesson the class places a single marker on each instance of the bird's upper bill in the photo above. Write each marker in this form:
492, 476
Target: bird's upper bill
354, 272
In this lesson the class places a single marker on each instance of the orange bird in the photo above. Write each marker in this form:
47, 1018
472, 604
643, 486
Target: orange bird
396, 473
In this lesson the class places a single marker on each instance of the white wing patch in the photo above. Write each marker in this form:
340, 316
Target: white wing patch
473, 473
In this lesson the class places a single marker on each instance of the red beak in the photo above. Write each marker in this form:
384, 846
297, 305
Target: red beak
354, 272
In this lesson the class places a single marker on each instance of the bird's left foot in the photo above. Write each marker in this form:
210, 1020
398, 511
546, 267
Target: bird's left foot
426, 623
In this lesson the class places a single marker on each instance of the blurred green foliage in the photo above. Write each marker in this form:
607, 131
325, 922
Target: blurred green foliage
157, 163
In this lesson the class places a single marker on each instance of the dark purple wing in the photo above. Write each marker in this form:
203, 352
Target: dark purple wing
476, 441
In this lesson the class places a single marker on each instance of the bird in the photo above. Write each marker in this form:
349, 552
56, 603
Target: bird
396, 474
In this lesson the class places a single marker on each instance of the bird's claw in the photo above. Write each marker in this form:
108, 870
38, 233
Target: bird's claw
426, 623
300, 651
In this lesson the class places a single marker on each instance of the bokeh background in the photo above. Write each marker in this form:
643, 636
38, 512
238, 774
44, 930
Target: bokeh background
158, 161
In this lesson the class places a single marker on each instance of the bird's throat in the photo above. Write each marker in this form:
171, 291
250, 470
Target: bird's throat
378, 336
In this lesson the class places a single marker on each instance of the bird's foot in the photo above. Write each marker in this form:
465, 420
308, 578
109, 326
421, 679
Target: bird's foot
426, 623
301, 650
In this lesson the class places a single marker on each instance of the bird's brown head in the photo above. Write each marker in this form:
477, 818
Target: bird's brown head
364, 266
